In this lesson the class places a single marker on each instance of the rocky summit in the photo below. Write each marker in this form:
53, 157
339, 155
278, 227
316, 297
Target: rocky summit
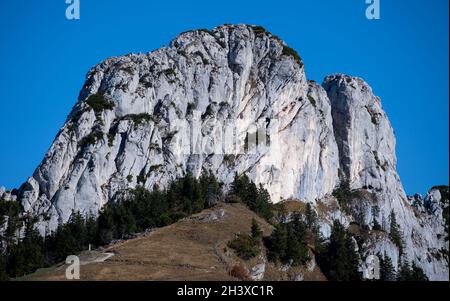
236, 99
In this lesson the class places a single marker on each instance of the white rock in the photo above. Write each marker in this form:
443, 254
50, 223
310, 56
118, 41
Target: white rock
257, 272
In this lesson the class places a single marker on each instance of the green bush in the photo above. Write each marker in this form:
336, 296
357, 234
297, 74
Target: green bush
257, 199
190, 108
395, 234
91, 139
288, 51
312, 100
344, 195
288, 244
138, 118
339, 261
408, 273
170, 72
128, 70
244, 246
99, 103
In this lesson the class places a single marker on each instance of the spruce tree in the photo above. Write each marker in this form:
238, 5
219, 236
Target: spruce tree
3, 274
341, 260
256, 231
375, 214
404, 272
417, 274
395, 234
387, 271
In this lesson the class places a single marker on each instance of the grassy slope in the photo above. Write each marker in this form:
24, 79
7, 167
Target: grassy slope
191, 249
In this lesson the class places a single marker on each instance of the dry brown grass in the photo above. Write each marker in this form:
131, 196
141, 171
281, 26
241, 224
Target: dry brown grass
187, 250
190, 249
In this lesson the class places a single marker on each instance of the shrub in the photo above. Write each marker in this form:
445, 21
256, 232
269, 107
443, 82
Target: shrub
312, 100
128, 70
238, 271
228, 159
190, 108
205, 31
244, 246
259, 30
256, 231
154, 167
204, 60
138, 118
288, 51
209, 112
91, 139
408, 273
221, 43
344, 195
98, 103
170, 72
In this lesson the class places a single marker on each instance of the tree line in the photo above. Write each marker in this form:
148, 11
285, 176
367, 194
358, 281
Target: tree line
137, 210
134, 212
295, 239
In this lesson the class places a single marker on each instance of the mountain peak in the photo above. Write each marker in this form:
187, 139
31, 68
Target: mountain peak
230, 100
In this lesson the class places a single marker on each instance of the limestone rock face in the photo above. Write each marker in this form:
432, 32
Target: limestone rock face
366, 144
234, 99
235, 76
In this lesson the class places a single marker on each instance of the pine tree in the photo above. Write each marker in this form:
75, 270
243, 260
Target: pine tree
106, 226
417, 274
263, 205
257, 199
277, 243
395, 234
32, 247
256, 231
404, 272
311, 218
340, 261
375, 214
297, 249
92, 231
3, 274
387, 271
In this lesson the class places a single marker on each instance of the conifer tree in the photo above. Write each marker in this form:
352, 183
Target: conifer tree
340, 261
256, 231
375, 214
387, 271
395, 233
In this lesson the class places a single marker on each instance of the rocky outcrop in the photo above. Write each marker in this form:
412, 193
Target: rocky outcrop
147, 119
234, 99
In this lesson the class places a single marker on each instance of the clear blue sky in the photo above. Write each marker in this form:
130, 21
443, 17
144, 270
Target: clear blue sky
404, 57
